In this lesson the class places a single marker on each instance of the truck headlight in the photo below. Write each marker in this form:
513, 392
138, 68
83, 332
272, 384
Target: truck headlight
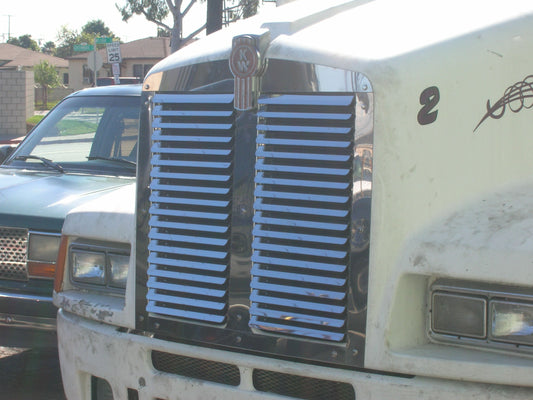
101, 266
482, 315
119, 270
88, 267
512, 322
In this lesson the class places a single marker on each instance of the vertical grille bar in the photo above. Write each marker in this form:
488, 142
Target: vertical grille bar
304, 179
191, 196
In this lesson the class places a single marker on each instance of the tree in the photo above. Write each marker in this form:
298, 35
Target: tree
25, 41
67, 38
157, 10
46, 75
241, 10
97, 28
49, 48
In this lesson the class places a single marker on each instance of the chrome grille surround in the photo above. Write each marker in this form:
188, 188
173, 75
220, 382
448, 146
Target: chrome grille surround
230, 267
302, 220
191, 200
13, 253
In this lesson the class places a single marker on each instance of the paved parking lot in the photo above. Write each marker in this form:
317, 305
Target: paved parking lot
30, 374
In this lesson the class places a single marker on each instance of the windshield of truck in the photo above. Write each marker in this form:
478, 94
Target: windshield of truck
88, 134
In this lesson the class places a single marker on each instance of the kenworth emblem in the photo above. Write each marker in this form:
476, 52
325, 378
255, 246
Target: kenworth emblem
245, 65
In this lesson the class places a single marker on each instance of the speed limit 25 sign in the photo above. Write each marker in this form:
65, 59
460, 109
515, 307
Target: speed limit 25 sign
113, 52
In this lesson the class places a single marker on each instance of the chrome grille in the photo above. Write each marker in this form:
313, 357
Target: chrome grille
13, 249
304, 175
191, 192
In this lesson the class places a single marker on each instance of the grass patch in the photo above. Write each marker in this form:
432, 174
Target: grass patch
48, 106
34, 120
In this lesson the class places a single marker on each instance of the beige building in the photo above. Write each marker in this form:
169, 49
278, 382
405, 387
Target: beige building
137, 58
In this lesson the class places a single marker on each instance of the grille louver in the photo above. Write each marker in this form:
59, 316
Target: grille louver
304, 174
192, 163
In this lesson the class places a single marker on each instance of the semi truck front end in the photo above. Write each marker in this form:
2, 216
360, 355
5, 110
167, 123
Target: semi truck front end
332, 201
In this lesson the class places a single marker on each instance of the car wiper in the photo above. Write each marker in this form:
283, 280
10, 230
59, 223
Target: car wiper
45, 161
122, 160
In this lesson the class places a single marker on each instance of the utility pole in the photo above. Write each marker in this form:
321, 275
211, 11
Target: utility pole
8, 26
214, 16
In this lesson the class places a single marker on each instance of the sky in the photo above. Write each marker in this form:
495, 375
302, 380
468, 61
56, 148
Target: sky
44, 19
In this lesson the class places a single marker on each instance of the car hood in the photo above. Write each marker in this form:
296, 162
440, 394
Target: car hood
40, 200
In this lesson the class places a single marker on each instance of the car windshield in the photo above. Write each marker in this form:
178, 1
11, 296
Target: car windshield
93, 134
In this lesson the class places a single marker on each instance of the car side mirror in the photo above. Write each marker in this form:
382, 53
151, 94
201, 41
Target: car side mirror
5, 152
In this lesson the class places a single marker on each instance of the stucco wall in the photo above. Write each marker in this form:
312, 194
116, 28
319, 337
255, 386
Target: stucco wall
16, 102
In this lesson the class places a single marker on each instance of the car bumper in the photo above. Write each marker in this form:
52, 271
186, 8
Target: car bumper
27, 320
91, 349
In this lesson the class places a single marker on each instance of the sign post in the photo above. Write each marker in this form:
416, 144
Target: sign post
114, 58
94, 60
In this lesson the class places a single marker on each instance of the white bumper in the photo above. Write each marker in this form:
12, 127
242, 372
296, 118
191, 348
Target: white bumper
88, 348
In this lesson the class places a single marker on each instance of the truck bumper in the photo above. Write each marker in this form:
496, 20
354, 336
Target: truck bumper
27, 320
90, 350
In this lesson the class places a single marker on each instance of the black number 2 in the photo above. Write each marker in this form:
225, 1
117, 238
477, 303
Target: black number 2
429, 98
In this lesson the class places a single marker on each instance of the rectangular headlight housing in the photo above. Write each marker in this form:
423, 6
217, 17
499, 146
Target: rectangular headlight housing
100, 265
88, 266
512, 322
491, 315
118, 271
459, 315
43, 247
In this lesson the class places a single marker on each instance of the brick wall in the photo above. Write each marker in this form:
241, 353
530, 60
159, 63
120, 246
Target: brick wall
16, 102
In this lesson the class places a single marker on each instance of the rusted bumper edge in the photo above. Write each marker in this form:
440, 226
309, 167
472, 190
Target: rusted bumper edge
125, 360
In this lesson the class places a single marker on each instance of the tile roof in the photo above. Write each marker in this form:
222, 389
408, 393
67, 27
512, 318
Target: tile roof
12, 56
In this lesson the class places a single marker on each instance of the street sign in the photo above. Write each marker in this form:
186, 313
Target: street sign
113, 52
94, 61
83, 47
103, 40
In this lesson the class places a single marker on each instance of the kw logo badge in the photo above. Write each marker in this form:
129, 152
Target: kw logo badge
244, 63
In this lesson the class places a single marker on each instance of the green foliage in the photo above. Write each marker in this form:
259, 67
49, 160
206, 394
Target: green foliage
34, 120
46, 75
24, 41
97, 28
68, 38
239, 9
49, 48
154, 10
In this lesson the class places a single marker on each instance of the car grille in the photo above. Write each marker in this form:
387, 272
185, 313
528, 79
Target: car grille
13, 249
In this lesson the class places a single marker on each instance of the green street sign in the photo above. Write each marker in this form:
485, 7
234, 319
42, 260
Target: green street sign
103, 40
83, 47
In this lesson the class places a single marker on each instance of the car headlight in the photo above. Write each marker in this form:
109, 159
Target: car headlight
42, 254
101, 266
